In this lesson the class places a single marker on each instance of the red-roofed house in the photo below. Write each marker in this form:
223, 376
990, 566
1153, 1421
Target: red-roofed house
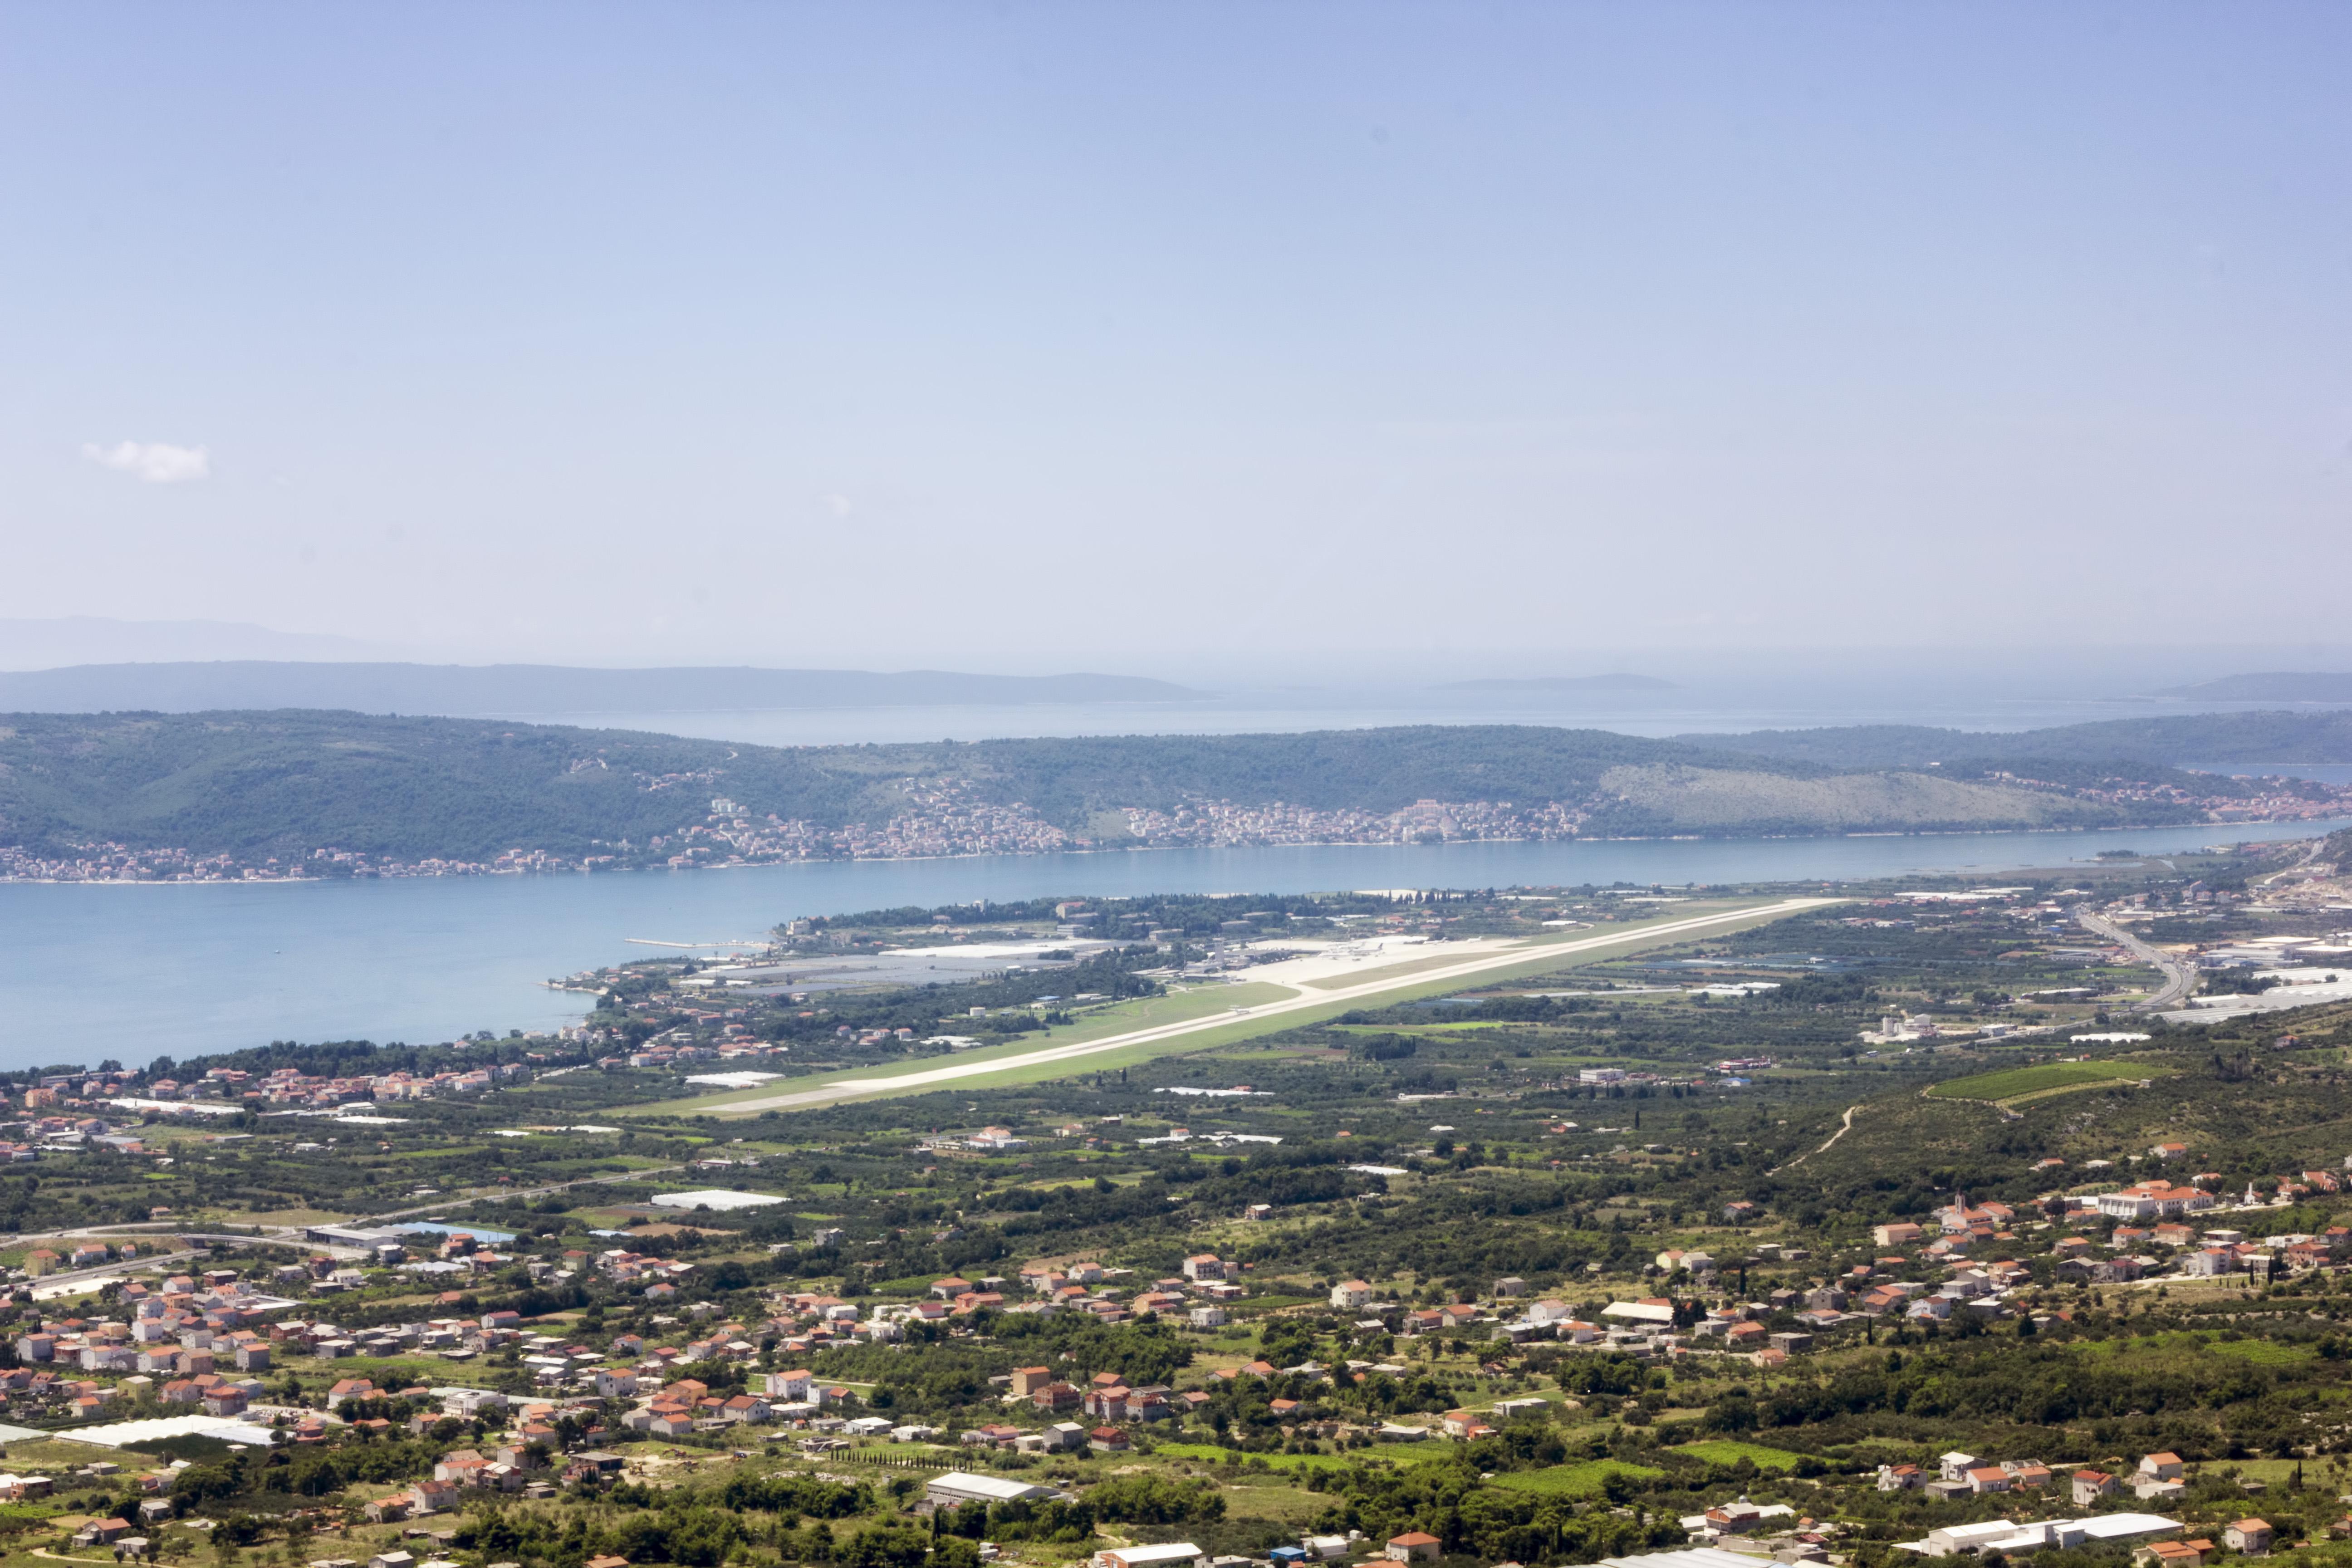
2250, 1536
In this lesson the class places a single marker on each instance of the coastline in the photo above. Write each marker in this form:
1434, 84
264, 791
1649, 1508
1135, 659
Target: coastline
2320, 828
433, 958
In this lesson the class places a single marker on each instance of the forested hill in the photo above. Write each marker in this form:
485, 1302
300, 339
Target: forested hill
412, 788
293, 784
2185, 739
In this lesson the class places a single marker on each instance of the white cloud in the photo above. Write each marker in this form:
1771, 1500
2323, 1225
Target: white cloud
836, 504
156, 462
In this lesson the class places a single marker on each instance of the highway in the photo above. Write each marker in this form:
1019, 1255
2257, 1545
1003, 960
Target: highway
74, 1281
2179, 979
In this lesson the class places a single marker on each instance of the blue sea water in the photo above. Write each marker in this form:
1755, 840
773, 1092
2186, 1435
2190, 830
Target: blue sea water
91, 971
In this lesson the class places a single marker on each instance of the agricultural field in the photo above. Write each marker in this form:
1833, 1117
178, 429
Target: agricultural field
1719, 1451
2016, 1083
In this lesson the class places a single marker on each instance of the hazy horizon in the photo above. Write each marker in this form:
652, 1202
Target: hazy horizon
2082, 671
1705, 691
1058, 337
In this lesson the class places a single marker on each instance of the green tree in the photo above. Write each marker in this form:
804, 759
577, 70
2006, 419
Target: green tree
889, 1543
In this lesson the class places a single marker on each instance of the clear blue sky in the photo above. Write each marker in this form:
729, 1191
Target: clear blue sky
1039, 335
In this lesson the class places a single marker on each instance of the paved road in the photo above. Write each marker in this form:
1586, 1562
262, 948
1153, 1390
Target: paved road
2179, 979
2266, 882
75, 1281
1308, 999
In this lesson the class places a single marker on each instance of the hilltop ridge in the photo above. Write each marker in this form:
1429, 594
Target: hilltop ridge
146, 794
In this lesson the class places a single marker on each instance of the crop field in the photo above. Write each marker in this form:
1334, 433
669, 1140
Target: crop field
2011, 1083
1721, 1452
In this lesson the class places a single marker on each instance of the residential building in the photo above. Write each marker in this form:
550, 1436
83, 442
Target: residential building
2251, 1537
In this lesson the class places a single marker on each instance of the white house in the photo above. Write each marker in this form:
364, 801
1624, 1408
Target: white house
1173, 1555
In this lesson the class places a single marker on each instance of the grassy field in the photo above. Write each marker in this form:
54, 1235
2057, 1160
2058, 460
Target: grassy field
1395, 1453
1428, 1028
404, 1372
2182, 1349
1584, 1479
2262, 1353
1144, 1013
2010, 1083
1722, 1452
1259, 1306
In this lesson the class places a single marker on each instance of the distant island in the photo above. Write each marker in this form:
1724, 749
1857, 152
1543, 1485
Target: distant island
2276, 686
536, 688
199, 797
1539, 685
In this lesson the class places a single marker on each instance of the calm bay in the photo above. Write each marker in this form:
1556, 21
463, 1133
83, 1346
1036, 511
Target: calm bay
133, 971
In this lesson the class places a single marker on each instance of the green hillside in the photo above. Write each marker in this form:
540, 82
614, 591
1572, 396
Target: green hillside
2196, 738
284, 783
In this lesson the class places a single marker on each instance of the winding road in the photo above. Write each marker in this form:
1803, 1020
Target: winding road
1844, 1126
2180, 980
